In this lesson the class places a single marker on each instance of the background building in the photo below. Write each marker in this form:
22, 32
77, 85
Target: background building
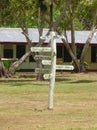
13, 45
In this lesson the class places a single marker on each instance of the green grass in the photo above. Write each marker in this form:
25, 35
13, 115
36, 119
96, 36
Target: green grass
23, 104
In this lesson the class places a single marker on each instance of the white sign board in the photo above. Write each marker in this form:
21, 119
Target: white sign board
64, 67
40, 57
47, 76
46, 62
41, 49
39, 70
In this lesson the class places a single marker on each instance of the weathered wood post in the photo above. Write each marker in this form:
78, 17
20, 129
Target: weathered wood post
53, 70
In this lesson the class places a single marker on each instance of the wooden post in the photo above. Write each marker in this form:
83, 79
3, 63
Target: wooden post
53, 69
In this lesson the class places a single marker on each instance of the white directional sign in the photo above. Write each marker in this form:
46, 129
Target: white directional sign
47, 76
46, 62
39, 70
40, 57
41, 49
64, 67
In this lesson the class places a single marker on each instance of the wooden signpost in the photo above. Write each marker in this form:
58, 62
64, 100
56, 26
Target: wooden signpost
47, 76
42, 57
41, 49
50, 61
53, 69
64, 67
39, 70
46, 62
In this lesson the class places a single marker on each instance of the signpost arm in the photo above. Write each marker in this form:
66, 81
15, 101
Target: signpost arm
53, 70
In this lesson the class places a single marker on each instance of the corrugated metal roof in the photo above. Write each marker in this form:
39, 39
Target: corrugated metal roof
15, 35
81, 37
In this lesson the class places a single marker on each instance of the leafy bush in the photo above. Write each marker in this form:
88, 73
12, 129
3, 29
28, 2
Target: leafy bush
85, 63
7, 64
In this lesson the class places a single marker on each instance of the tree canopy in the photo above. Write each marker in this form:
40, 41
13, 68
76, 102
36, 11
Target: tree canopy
61, 15
83, 11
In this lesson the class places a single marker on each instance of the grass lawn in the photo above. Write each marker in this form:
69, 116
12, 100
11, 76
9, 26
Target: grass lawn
24, 103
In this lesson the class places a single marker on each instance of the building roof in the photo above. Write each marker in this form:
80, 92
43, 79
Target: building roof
15, 36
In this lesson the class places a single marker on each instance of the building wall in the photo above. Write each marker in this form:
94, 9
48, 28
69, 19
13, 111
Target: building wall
91, 65
88, 58
60, 60
26, 64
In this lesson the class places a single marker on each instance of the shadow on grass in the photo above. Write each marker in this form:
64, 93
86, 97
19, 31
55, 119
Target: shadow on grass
61, 79
21, 83
84, 81
15, 82
67, 80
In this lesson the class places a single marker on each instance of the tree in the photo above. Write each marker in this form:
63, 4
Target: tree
84, 51
48, 13
23, 12
17, 12
89, 20
73, 7
85, 11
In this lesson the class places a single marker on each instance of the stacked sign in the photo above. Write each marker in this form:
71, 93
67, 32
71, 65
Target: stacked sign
43, 58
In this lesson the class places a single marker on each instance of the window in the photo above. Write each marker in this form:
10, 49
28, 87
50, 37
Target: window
79, 51
8, 51
59, 52
93, 54
31, 59
20, 51
67, 57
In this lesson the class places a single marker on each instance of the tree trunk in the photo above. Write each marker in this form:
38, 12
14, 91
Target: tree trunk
2, 70
40, 75
40, 30
73, 48
72, 36
76, 64
84, 51
16, 64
